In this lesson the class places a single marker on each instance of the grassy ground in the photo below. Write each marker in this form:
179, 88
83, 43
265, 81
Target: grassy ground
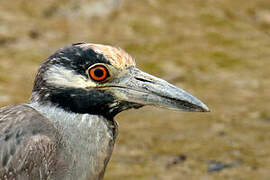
217, 50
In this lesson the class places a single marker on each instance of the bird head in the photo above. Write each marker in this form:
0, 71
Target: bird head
104, 80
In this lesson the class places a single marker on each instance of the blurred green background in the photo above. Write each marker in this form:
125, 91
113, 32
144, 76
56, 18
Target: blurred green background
216, 49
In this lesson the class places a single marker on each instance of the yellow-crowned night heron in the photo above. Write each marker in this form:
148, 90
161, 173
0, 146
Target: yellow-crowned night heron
67, 130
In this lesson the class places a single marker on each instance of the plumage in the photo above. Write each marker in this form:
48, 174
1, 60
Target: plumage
29, 144
67, 131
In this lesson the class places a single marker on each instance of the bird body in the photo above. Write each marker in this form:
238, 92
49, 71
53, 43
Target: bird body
35, 124
67, 131
29, 144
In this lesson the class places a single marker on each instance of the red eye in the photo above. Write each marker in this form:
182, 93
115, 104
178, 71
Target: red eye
98, 73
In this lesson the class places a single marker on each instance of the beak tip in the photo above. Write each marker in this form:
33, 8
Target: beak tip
204, 108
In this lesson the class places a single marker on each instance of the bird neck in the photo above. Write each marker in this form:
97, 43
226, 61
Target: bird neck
60, 116
88, 139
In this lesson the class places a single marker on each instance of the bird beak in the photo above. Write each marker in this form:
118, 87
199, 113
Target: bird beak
141, 88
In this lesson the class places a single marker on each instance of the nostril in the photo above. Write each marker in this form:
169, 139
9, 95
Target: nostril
144, 80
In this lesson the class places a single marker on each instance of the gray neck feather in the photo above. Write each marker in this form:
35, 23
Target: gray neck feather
88, 140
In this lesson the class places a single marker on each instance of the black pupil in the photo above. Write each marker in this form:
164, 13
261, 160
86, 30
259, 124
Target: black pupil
98, 72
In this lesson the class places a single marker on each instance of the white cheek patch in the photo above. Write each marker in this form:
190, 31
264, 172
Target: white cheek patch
62, 77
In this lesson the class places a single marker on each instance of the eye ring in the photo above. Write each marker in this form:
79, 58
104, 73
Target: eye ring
98, 73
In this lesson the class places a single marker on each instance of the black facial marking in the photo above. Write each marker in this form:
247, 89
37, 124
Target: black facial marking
77, 58
83, 101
